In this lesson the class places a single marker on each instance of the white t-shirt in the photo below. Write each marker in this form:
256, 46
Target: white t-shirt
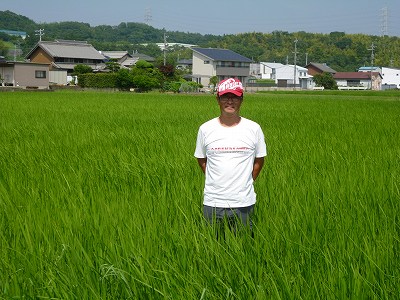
230, 153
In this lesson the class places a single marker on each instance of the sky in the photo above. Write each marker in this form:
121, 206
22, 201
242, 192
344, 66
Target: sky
222, 17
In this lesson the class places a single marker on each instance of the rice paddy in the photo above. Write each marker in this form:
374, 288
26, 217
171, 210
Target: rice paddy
101, 198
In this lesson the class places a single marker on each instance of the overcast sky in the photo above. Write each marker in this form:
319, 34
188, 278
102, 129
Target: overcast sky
222, 17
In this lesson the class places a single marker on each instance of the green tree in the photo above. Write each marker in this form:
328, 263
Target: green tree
124, 79
82, 69
326, 80
145, 83
113, 65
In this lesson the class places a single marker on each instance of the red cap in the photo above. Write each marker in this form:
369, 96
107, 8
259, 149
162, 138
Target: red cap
230, 85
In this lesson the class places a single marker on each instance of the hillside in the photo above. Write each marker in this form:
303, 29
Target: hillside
343, 52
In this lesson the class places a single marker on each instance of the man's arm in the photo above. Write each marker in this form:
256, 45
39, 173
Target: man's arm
202, 163
258, 164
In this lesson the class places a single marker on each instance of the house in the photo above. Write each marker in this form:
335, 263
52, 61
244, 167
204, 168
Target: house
123, 58
318, 68
390, 78
21, 34
369, 69
140, 56
223, 63
286, 75
24, 75
63, 55
358, 80
184, 64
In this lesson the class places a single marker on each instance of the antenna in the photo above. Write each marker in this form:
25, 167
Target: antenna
40, 33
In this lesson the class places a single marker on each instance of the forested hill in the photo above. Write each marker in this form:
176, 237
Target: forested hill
341, 51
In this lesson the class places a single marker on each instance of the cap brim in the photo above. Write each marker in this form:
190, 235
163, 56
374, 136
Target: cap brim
237, 93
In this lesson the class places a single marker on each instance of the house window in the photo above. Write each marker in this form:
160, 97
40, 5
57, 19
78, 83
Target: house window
206, 62
353, 82
40, 74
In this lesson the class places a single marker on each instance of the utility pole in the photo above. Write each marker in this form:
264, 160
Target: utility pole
372, 60
295, 61
165, 48
306, 58
40, 33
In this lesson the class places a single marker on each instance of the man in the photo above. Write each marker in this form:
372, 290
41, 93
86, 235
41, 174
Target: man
230, 151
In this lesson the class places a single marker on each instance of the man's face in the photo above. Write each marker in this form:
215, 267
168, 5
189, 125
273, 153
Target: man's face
230, 103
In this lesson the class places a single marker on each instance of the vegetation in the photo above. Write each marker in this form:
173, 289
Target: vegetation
325, 80
341, 51
101, 198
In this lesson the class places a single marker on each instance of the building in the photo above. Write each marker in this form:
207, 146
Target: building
25, 75
21, 34
65, 55
358, 80
184, 64
318, 68
286, 75
223, 63
390, 78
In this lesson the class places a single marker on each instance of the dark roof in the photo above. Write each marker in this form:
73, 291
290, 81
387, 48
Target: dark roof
68, 49
322, 67
355, 75
221, 54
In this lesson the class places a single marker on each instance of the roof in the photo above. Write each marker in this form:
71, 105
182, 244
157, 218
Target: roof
322, 67
355, 75
185, 61
221, 54
114, 54
369, 69
272, 65
68, 49
141, 56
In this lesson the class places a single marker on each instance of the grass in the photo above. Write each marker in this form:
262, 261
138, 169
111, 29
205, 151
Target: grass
100, 198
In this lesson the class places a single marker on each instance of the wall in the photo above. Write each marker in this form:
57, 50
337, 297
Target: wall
25, 75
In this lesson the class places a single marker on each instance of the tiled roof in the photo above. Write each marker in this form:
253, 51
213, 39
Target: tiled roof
322, 67
70, 49
141, 56
221, 54
114, 54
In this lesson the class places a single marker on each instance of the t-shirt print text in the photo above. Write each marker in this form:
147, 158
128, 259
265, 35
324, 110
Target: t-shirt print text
216, 150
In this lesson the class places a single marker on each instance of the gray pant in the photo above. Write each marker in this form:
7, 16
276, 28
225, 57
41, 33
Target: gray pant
234, 216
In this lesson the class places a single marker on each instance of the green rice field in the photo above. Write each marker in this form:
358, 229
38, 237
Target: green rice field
101, 198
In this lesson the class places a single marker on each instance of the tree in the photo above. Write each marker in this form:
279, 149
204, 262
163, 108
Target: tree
145, 82
326, 80
124, 80
82, 69
113, 65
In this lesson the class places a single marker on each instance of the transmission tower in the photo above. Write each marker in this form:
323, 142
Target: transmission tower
384, 21
147, 16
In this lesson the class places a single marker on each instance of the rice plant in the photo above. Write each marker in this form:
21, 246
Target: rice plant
101, 198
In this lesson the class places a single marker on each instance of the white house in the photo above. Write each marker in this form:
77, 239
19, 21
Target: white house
390, 78
358, 80
223, 63
286, 75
